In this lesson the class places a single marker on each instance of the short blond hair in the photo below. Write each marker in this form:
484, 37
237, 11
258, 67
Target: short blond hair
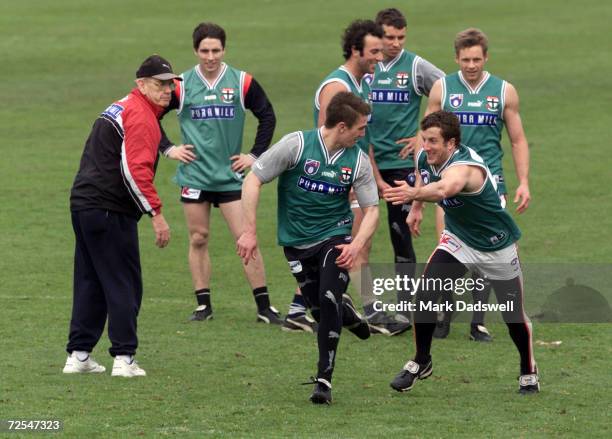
469, 38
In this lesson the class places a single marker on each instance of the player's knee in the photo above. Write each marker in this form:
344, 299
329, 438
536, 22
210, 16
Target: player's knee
198, 239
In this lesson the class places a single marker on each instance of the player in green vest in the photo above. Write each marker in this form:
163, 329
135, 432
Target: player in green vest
362, 49
484, 104
479, 233
316, 170
211, 105
399, 83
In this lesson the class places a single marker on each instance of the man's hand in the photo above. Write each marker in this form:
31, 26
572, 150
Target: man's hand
241, 162
409, 143
246, 246
522, 196
414, 219
400, 194
348, 255
161, 229
182, 153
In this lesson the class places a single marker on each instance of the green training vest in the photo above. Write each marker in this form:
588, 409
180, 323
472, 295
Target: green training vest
362, 90
478, 218
480, 112
211, 118
313, 199
395, 110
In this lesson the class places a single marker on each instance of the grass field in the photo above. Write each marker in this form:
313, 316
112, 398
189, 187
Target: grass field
65, 61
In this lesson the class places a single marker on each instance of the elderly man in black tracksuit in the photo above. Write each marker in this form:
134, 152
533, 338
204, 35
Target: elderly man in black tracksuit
111, 191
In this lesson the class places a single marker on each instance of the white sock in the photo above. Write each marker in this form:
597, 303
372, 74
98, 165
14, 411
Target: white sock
127, 358
80, 355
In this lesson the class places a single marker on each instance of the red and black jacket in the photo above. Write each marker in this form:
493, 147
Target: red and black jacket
119, 160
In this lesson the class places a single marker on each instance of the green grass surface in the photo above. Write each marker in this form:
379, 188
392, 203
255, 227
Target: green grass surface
65, 61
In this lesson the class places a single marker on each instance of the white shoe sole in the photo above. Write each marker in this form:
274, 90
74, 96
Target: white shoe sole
126, 372
70, 369
303, 327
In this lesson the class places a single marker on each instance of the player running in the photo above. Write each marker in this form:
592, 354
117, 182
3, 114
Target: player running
316, 171
479, 233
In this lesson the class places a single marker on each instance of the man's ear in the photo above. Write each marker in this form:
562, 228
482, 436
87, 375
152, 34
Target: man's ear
140, 83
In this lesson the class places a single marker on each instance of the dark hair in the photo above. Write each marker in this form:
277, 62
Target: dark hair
345, 107
391, 17
447, 122
208, 30
469, 38
354, 36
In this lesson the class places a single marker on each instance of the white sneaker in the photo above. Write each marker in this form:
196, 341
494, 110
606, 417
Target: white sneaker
89, 365
122, 368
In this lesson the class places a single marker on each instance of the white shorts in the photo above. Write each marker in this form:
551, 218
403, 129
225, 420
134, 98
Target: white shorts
496, 265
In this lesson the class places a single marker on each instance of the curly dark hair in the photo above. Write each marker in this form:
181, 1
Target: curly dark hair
354, 36
447, 122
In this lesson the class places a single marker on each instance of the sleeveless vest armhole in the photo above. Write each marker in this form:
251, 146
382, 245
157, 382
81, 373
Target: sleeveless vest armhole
180, 88
417, 159
483, 167
503, 100
181, 96
245, 83
329, 81
443, 93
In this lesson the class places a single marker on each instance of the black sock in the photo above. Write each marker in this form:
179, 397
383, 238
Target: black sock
423, 334
518, 326
262, 299
203, 297
480, 296
328, 335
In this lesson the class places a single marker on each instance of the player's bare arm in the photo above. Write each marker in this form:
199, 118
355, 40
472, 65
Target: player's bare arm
349, 252
415, 215
247, 242
520, 147
432, 76
454, 180
434, 103
380, 182
327, 93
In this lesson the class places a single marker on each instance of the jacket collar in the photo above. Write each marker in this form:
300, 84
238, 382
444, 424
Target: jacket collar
156, 109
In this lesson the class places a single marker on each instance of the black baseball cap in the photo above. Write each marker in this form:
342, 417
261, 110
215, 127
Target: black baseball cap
156, 67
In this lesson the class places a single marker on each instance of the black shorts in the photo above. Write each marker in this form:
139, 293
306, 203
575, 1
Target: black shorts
190, 195
390, 175
298, 257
